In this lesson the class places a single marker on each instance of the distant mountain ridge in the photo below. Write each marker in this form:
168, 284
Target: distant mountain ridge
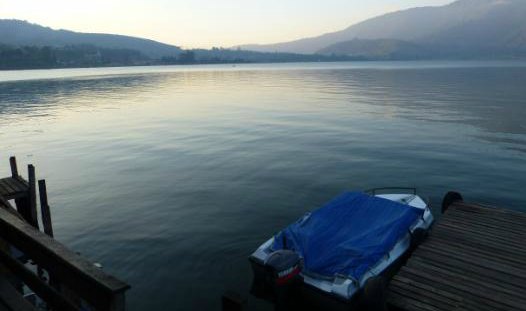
470, 27
22, 33
464, 29
378, 49
29, 46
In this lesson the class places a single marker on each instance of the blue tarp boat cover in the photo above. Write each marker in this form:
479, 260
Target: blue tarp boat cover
348, 235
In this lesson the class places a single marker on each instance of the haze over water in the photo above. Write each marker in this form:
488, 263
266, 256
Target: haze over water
171, 176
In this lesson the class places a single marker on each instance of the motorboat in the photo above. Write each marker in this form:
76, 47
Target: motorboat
344, 249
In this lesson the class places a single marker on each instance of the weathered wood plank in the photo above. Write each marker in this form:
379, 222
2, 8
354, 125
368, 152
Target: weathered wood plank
4, 190
432, 298
430, 289
486, 209
497, 217
455, 265
485, 252
11, 188
511, 234
475, 255
491, 225
12, 299
466, 288
478, 211
7, 186
474, 280
92, 284
425, 298
53, 298
470, 259
491, 218
16, 184
478, 242
409, 303
474, 299
474, 259
15, 191
465, 265
467, 233
500, 227
398, 279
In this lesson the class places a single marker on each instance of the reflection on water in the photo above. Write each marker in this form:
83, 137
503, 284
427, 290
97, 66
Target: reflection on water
171, 179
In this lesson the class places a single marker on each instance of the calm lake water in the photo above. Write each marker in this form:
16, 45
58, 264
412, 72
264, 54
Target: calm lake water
171, 176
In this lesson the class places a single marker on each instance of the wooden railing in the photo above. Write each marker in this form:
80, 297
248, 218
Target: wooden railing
62, 279
65, 268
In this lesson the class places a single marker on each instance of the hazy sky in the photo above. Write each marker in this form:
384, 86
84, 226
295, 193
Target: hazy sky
205, 23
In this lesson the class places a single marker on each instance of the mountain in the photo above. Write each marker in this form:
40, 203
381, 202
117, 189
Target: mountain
22, 33
495, 26
377, 49
501, 31
464, 29
29, 46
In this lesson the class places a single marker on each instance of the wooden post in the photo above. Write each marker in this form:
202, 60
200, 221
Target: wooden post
14, 168
22, 204
46, 223
33, 218
44, 208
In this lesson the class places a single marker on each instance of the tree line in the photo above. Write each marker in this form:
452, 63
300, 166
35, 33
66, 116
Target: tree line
39, 57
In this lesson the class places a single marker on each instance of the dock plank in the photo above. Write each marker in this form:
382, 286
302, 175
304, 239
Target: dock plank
461, 267
6, 185
3, 189
100, 290
492, 252
12, 300
13, 188
487, 224
452, 237
470, 256
479, 280
474, 259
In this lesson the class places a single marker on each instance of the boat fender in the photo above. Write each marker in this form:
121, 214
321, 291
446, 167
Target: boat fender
284, 266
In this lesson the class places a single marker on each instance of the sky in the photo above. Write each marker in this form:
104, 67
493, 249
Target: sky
205, 23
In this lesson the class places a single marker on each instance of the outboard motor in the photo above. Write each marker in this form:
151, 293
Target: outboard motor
283, 267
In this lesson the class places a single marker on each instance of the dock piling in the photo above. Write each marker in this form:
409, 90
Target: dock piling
44, 208
33, 218
63, 279
14, 168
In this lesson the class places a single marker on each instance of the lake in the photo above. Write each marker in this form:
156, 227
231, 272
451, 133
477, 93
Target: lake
171, 176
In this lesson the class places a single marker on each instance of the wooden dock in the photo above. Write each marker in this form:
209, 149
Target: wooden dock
474, 259
13, 188
32, 259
